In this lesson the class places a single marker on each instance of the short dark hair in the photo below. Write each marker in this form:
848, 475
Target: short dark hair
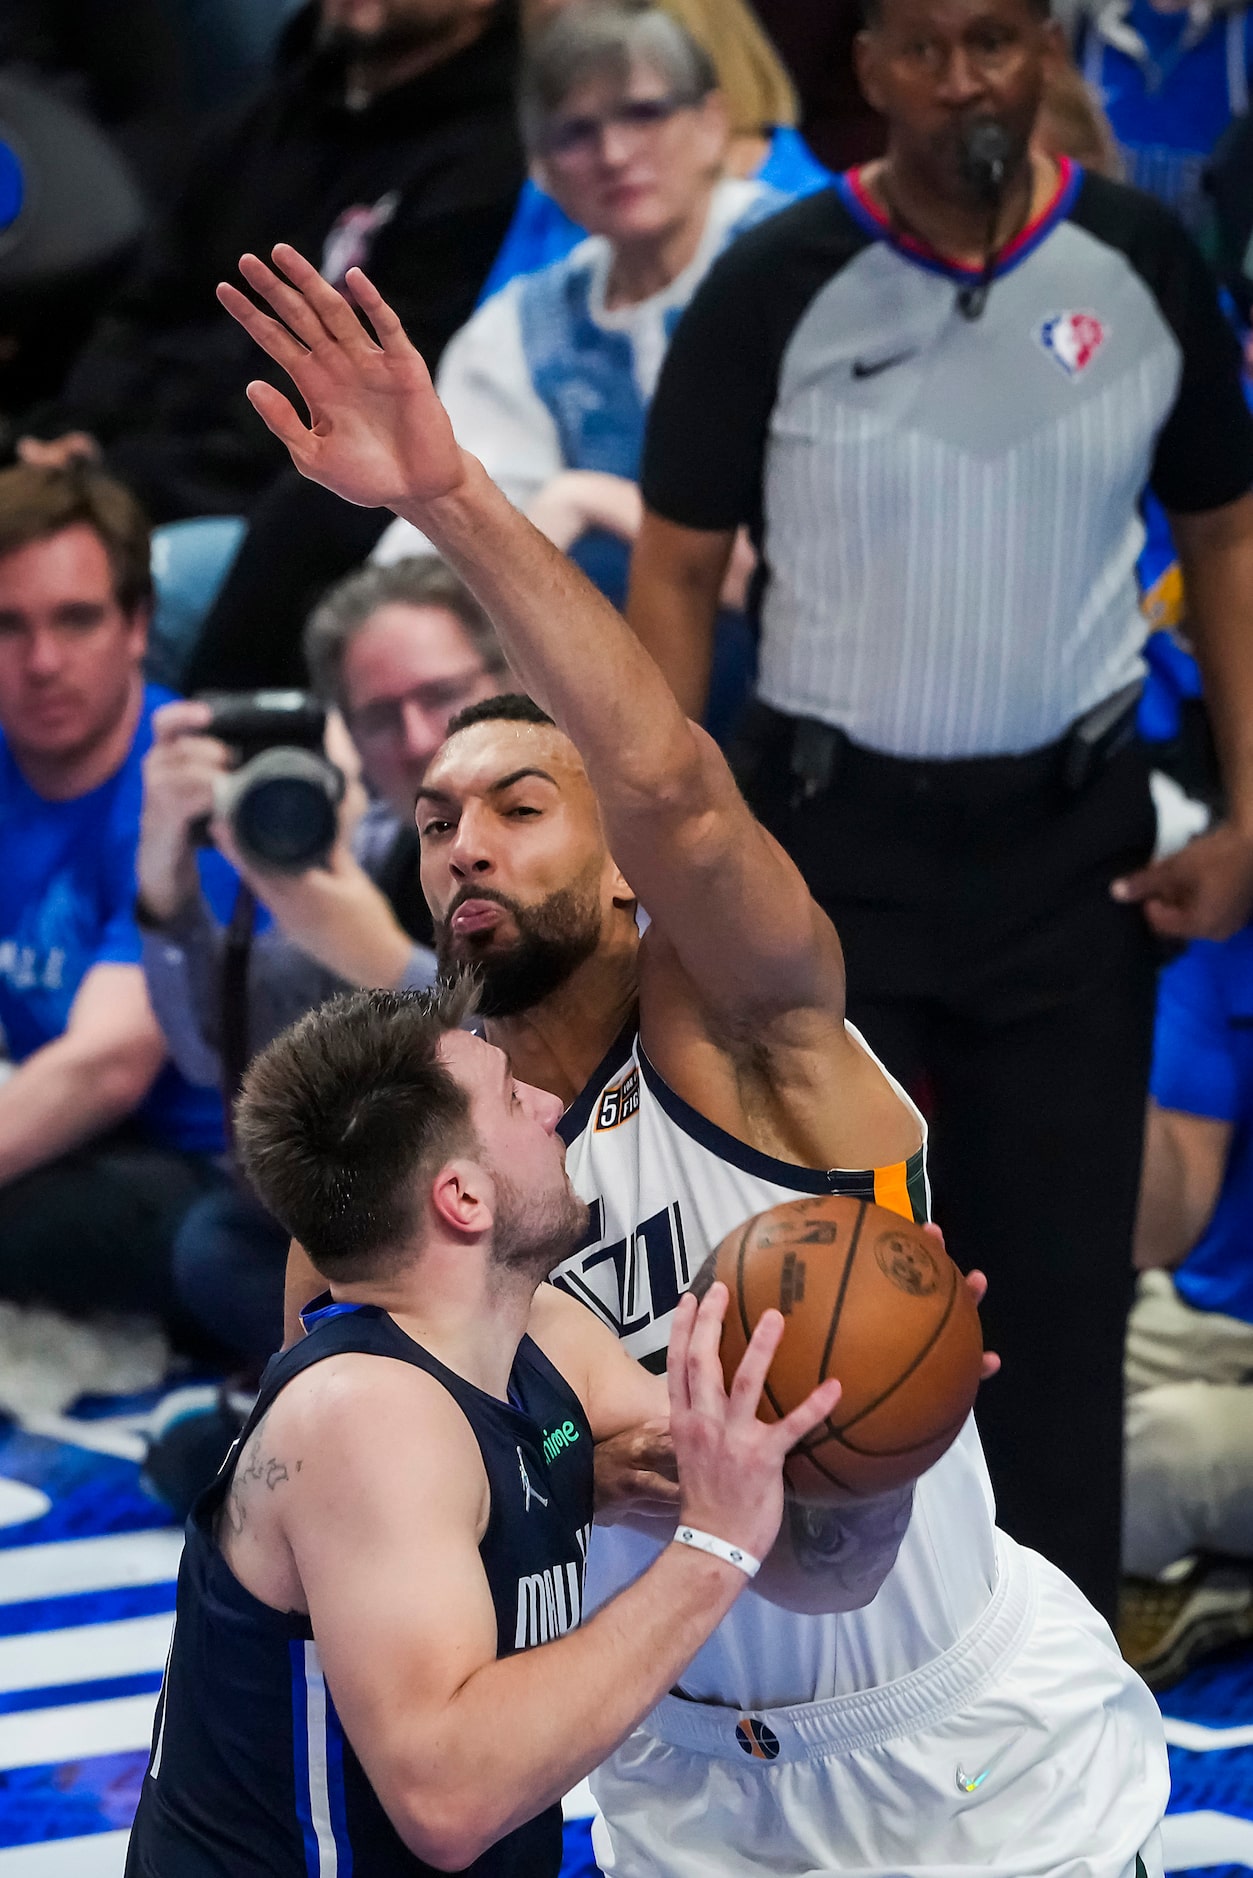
511, 707
340, 1117
418, 580
872, 10
36, 504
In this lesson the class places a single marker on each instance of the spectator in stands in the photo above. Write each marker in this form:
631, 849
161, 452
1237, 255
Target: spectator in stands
1172, 77
1190, 1338
103, 1145
761, 109
396, 651
550, 381
394, 145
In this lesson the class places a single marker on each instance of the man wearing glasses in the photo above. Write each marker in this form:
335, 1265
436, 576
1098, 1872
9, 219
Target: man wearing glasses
395, 652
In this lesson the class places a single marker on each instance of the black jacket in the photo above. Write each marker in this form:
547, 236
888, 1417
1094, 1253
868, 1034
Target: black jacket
433, 168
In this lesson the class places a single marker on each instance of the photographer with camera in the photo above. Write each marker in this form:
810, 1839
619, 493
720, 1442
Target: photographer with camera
322, 839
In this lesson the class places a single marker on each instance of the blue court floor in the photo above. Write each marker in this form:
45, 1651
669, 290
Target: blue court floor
87, 1569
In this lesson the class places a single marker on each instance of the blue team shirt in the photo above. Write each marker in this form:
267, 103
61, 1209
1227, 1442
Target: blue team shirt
67, 892
1203, 1065
1169, 106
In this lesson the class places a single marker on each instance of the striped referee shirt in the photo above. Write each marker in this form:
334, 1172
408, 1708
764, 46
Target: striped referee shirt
947, 508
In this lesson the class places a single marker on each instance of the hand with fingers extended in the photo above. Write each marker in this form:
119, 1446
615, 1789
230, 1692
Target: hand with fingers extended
377, 433
730, 1463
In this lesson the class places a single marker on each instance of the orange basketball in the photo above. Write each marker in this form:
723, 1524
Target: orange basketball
867, 1297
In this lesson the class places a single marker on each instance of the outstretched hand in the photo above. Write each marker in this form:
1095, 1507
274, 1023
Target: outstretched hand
377, 433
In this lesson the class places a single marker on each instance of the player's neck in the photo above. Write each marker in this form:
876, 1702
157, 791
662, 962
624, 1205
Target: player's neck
557, 1045
470, 1317
957, 229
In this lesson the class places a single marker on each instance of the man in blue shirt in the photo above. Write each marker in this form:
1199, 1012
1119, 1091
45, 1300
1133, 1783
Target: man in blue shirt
1190, 1339
102, 1146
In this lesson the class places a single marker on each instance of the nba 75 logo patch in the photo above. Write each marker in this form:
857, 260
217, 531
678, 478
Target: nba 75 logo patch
620, 1103
1072, 340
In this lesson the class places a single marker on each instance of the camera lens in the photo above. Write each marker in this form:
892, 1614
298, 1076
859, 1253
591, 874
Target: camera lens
282, 809
286, 823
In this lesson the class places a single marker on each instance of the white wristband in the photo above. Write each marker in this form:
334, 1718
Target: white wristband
733, 1554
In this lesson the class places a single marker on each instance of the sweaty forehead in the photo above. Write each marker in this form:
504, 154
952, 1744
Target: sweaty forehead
476, 760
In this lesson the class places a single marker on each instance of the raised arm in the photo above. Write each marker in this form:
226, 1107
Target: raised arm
674, 817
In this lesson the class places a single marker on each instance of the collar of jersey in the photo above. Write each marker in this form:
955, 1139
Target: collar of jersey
867, 213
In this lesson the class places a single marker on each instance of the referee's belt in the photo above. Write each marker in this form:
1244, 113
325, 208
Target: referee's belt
821, 756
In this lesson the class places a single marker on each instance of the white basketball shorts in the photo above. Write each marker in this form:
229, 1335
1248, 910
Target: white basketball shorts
1028, 1750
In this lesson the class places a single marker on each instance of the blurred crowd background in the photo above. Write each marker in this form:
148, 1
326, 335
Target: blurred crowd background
185, 624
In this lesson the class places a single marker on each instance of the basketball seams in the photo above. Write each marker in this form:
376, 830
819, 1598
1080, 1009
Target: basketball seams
842, 1293
767, 1391
906, 1373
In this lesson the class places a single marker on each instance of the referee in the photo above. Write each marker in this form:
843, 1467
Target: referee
935, 393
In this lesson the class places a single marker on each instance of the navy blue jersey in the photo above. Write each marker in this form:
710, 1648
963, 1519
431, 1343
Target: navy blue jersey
251, 1774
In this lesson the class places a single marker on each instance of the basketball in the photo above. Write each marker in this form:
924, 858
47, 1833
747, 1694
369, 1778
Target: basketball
867, 1297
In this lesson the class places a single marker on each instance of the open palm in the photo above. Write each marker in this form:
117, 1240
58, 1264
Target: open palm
378, 434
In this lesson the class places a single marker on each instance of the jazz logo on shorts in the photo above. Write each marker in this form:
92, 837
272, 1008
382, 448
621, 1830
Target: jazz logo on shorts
756, 1739
1072, 340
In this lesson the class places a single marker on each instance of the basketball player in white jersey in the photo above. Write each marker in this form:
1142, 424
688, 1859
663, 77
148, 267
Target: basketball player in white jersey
961, 1708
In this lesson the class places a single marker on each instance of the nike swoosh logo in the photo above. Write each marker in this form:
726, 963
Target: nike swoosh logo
870, 368
971, 1783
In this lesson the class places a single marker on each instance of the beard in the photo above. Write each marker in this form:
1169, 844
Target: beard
533, 1235
554, 939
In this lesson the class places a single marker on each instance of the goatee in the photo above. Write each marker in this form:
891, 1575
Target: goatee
554, 939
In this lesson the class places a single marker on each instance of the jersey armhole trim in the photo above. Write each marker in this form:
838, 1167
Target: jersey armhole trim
884, 1185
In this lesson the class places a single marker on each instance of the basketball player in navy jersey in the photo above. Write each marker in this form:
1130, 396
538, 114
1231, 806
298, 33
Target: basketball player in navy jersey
352, 1684
945, 1699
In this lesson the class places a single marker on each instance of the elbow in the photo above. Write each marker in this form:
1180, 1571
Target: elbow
447, 1831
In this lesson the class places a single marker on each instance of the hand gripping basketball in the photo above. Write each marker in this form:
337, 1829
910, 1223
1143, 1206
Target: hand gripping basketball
730, 1462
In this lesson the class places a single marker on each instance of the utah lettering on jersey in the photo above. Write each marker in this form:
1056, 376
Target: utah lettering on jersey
634, 1283
550, 1602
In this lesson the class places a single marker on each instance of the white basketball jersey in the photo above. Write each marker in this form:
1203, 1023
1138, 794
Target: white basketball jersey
664, 1187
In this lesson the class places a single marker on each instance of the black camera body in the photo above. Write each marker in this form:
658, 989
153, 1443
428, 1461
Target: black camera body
281, 800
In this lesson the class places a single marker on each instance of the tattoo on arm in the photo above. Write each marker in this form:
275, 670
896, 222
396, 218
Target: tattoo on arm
262, 1468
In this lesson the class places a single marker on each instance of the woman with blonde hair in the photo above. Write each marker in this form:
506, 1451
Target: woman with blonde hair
761, 105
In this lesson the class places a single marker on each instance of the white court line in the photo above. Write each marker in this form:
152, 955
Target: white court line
20, 1503
98, 1437
86, 1653
35, 1736
101, 1855
1200, 1839
30, 1572
1186, 1734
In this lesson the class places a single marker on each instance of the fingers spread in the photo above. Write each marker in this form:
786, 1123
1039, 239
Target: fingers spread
754, 1364
279, 415
291, 306
817, 1405
270, 335
330, 307
704, 1370
676, 1357
388, 330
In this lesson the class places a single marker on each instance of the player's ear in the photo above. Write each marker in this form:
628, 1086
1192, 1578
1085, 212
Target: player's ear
461, 1197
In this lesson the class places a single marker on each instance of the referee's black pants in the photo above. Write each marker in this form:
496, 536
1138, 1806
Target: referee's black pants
989, 968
